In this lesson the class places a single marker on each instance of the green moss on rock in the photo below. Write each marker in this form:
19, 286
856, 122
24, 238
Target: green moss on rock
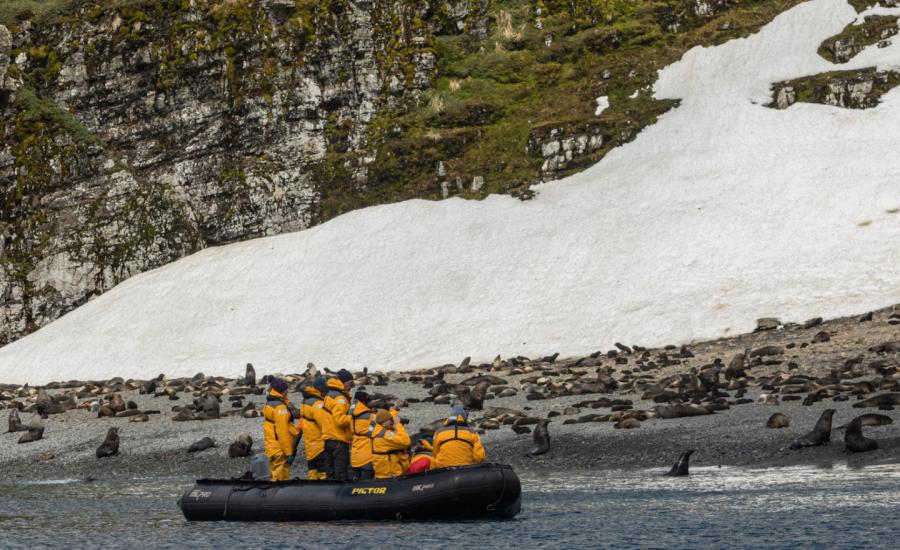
875, 29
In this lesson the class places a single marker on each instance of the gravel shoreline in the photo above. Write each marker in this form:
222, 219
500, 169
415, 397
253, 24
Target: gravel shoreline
737, 437
734, 437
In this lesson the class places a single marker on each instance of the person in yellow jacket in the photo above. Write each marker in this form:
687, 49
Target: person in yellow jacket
313, 444
363, 419
390, 445
335, 426
279, 431
455, 443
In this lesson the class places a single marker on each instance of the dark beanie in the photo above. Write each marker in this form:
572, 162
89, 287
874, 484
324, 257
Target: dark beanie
362, 397
344, 375
279, 385
321, 384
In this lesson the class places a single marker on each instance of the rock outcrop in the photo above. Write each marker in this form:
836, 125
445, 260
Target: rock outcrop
861, 89
875, 30
144, 133
135, 133
5, 50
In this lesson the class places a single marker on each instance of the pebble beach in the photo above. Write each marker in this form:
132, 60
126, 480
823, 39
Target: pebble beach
737, 435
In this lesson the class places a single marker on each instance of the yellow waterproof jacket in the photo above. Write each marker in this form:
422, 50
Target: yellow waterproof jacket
312, 434
336, 425
456, 444
390, 450
363, 422
279, 429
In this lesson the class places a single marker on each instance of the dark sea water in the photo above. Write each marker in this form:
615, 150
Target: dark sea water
713, 508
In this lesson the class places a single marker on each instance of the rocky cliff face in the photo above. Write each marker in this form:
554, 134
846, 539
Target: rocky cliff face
136, 132
135, 136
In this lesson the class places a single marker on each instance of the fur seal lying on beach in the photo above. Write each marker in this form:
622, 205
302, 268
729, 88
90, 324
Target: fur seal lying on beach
869, 420
778, 420
208, 407
117, 403
110, 445
855, 441
681, 467
883, 400
679, 411
202, 445
628, 423
491, 380
242, 447
819, 435
541, 437
35, 431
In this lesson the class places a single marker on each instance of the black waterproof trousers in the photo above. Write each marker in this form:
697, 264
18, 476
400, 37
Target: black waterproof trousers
337, 460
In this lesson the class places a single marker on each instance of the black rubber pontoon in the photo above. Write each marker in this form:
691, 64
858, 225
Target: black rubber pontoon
466, 492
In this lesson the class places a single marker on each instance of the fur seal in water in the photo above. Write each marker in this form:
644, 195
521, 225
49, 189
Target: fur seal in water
202, 445
541, 436
110, 445
855, 441
819, 435
681, 467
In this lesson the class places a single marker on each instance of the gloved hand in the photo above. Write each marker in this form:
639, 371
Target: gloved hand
290, 459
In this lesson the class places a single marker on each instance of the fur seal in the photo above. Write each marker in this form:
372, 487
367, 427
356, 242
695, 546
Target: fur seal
680, 411
15, 423
855, 441
778, 420
249, 376
492, 380
183, 415
819, 435
541, 437
473, 398
117, 403
243, 447
869, 420
680, 468
735, 368
35, 431
249, 411
202, 445
627, 424
767, 398
110, 445
490, 424
208, 407
883, 400
128, 413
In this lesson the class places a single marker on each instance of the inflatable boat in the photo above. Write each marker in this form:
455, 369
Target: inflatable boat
466, 492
